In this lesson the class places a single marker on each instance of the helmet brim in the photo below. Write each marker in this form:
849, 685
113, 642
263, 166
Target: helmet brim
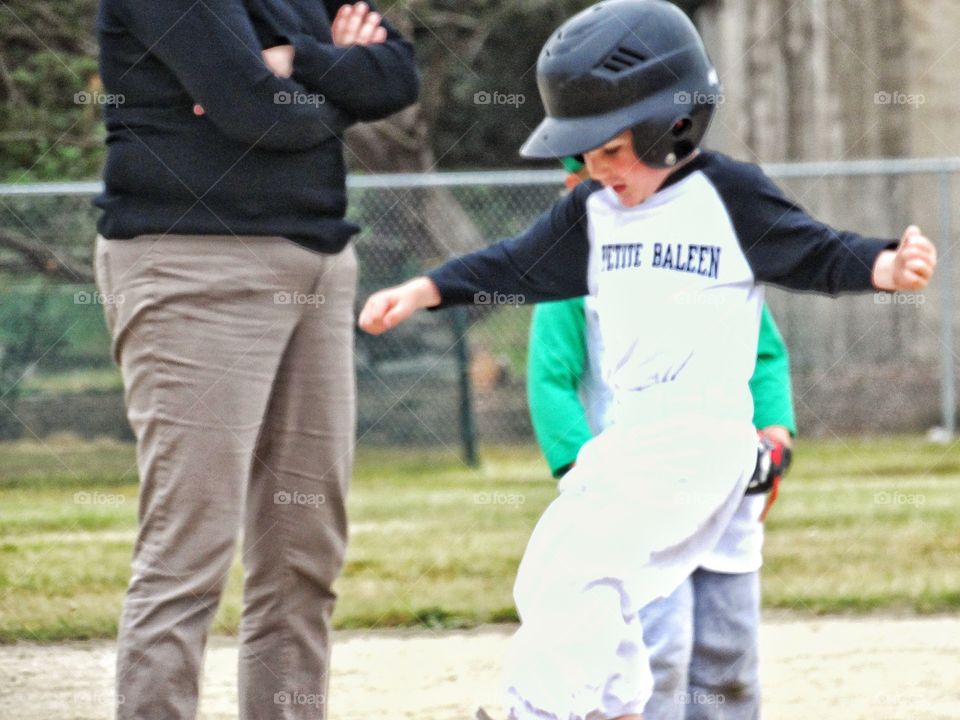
560, 137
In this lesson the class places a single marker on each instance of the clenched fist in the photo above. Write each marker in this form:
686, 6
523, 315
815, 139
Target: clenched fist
910, 266
386, 309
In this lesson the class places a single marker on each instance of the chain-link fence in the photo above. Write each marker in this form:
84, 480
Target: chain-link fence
865, 364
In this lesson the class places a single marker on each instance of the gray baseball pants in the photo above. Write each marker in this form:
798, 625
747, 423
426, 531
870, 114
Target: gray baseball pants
703, 648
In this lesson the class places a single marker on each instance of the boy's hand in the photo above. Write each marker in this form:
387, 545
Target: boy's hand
357, 25
777, 433
910, 267
388, 308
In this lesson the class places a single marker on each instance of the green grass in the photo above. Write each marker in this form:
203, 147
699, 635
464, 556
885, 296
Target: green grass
860, 526
68, 382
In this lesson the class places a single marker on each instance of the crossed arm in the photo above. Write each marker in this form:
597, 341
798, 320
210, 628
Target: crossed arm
363, 52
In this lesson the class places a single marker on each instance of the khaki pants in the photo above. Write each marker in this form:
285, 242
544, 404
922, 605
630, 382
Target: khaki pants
237, 362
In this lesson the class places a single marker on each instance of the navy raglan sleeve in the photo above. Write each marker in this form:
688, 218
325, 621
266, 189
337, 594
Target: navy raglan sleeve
547, 262
783, 244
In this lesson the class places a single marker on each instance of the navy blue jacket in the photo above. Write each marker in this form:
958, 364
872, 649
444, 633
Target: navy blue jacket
267, 157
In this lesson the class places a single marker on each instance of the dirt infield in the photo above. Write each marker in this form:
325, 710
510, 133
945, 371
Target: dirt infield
843, 669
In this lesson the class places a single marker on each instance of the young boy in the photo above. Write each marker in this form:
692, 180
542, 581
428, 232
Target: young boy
671, 243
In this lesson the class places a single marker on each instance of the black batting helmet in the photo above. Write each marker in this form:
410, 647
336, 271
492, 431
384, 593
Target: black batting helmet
637, 64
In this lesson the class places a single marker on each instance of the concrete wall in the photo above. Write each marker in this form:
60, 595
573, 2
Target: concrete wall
840, 80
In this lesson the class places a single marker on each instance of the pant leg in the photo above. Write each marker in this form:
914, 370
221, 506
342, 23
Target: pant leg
198, 337
724, 677
634, 518
295, 530
668, 635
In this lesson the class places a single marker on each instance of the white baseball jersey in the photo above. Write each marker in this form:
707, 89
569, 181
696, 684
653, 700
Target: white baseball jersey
740, 548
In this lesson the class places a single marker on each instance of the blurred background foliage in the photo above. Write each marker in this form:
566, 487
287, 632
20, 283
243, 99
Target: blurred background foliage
48, 54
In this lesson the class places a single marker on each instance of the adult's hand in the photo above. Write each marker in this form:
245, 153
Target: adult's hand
279, 59
357, 25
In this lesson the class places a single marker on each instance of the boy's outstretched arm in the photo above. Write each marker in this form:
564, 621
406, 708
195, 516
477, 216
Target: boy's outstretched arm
909, 267
546, 262
785, 246
388, 308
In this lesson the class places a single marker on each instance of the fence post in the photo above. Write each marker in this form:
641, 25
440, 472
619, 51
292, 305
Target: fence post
948, 395
468, 437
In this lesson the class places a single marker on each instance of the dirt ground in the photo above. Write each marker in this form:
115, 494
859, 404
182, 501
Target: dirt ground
834, 668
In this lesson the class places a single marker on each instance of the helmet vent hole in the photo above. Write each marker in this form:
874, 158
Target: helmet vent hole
623, 58
681, 127
683, 148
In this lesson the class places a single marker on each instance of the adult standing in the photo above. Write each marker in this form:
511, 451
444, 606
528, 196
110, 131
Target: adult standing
223, 232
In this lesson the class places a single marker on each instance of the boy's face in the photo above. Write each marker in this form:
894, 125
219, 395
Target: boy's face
615, 165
